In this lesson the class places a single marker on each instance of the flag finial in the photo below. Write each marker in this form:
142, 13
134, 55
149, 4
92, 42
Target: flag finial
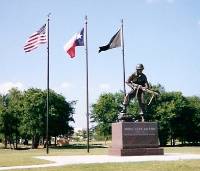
48, 15
86, 19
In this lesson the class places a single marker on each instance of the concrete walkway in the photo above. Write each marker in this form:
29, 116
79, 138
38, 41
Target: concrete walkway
87, 159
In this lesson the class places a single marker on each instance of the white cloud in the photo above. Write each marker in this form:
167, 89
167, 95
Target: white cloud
105, 87
63, 88
65, 85
5, 87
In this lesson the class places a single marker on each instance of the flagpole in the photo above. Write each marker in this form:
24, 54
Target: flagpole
47, 117
87, 96
122, 42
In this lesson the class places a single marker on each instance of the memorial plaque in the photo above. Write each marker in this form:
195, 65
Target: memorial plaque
135, 138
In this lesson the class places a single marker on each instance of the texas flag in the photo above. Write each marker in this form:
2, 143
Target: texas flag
76, 40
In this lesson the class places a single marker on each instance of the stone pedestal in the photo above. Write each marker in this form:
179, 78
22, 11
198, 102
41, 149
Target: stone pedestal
135, 138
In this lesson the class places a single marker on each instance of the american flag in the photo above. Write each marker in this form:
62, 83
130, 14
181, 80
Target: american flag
39, 37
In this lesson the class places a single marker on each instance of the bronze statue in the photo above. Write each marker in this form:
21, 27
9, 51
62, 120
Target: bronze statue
139, 84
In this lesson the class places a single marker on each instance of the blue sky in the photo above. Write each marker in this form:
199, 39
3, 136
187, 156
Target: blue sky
164, 35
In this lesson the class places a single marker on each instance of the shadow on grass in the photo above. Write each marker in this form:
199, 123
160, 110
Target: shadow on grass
78, 146
23, 148
19, 148
69, 146
183, 145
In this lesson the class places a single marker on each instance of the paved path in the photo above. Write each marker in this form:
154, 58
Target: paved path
86, 159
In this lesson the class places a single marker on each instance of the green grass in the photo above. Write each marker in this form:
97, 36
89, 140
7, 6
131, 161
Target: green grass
18, 157
10, 157
193, 149
25, 157
142, 166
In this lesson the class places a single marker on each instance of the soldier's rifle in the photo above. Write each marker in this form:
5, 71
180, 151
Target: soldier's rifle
140, 87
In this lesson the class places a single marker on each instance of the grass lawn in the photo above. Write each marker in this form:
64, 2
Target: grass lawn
193, 165
25, 157
10, 157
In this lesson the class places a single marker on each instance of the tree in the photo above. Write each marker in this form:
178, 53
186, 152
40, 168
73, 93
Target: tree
34, 110
60, 115
34, 117
170, 111
10, 114
106, 111
15, 109
178, 117
4, 119
23, 115
193, 125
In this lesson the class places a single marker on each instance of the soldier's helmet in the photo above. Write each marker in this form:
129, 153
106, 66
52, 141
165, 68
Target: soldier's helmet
139, 66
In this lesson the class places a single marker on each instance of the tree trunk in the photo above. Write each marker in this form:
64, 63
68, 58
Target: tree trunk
55, 141
106, 138
13, 142
174, 142
10, 142
5, 141
49, 140
32, 146
35, 141
171, 140
16, 141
